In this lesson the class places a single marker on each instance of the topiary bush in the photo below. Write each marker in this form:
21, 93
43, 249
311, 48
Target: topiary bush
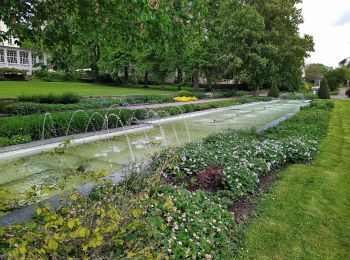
274, 91
347, 92
323, 92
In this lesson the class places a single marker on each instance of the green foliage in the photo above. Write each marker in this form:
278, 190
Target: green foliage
28, 108
143, 217
65, 98
184, 93
310, 201
274, 91
53, 76
15, 139
12, 74
307, 86
323, 92
199, 39
298, 95
321, 104
337, 77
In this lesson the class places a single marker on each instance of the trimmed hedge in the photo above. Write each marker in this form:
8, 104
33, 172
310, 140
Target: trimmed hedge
323, 92
65, 98
12, 74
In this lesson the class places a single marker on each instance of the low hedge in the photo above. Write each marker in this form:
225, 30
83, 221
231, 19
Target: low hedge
56, 123
29, 108
12, 74
65, 98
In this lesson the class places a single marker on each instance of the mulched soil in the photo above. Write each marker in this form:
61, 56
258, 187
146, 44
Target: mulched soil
244, 207
209, 179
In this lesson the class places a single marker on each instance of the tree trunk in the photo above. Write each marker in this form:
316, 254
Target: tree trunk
126, 74
196, 78
179, 78
146, 80
256, 93
94, 66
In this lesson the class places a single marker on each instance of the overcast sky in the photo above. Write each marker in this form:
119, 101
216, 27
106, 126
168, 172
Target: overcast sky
328, 21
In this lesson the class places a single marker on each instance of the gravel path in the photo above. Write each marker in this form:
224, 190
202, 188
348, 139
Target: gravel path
341, 94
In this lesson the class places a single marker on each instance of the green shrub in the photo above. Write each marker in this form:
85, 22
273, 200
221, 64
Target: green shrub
149, 99
274, 91
65, 98
307, 86
298, 96
53, 76
2, 107
184, 93
16, 139
322, 104
323, 92
28, 108
4, 141
12, 74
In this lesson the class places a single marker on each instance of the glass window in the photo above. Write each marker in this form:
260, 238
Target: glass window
34, 57
12, 56
2, 55
23, 57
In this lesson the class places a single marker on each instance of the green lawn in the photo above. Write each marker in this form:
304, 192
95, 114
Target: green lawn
12, 89
307, 213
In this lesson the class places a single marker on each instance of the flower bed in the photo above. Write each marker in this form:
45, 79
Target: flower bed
185, 99
146, 216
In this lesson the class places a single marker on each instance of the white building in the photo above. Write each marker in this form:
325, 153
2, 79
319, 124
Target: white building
12, 56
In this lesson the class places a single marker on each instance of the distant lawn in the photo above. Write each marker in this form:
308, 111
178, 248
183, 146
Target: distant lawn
12, 89
307, 213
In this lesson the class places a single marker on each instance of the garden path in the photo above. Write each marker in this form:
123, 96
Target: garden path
341, 94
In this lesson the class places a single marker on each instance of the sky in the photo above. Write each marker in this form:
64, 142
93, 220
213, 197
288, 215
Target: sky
328, 21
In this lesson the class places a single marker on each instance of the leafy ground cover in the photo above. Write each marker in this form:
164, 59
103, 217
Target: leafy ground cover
306, 215
57, 124
13, 89
148, 216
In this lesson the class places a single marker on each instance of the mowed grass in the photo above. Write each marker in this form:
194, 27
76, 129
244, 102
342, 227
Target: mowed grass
13, 89
307, 213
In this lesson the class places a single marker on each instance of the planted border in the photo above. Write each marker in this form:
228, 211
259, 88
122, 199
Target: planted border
147, 217
56, 124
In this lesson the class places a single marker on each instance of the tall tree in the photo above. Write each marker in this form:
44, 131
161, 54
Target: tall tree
245, 55
282, 19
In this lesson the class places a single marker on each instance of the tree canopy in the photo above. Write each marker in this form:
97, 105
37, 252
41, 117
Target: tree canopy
252, 42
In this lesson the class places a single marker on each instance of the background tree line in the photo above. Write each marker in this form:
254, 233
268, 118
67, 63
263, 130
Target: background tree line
252, 42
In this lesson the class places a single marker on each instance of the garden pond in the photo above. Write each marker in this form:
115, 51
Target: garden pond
33, 178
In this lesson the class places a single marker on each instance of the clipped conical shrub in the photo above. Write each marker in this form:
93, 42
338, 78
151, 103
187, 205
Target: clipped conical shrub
323, 92
274, 91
